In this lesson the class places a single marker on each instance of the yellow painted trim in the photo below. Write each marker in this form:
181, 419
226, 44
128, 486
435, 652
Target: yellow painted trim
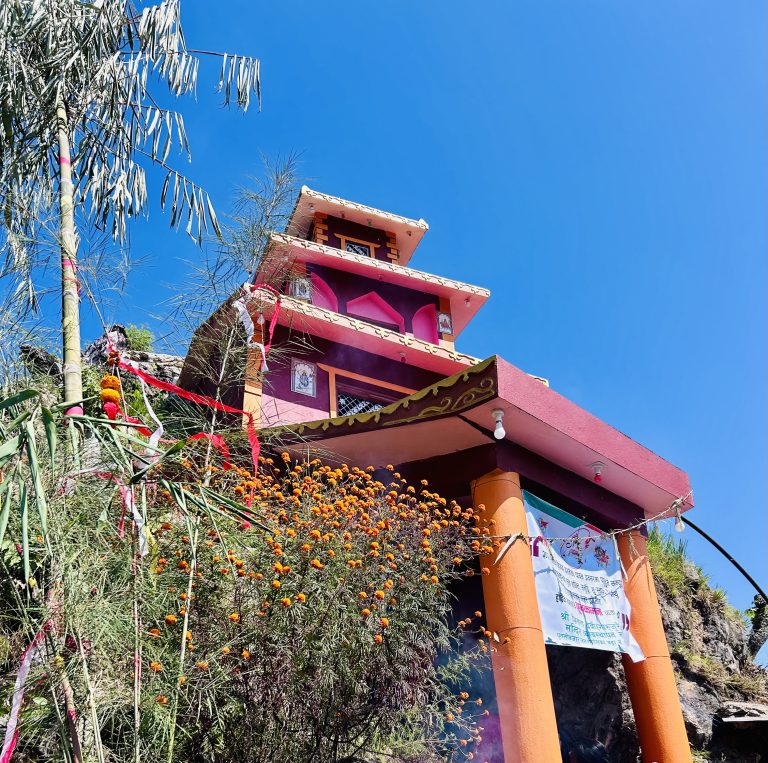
332, 403
252, 386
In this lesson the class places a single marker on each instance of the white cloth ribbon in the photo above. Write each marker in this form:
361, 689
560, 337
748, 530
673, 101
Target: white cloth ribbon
241, 308
12, 727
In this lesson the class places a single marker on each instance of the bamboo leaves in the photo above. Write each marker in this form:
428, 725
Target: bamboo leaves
103, 60
245, 74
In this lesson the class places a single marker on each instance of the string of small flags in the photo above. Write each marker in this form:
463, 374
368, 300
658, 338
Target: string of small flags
674, 509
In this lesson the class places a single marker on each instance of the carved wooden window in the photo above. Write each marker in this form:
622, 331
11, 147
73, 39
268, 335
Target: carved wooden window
357, 246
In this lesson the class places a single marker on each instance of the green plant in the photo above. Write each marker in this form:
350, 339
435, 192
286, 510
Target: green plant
668, 561
139, 339
296, 614
82, 122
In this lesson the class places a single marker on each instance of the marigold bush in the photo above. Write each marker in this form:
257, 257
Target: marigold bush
320, 625
304, 617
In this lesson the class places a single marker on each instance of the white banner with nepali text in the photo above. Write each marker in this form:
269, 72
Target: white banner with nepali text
579, 582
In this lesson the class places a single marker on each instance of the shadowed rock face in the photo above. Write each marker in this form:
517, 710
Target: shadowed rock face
165, 367
717, 680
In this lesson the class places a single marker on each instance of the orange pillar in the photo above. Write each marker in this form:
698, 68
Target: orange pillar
651, 683
520, 670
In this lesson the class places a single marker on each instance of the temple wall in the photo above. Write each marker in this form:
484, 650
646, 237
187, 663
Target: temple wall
281, 403
347, 287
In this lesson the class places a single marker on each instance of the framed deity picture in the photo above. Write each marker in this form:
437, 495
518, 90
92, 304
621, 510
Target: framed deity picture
303, 377
301, 288
444, 323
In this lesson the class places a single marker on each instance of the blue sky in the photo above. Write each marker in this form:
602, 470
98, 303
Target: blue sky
600, 166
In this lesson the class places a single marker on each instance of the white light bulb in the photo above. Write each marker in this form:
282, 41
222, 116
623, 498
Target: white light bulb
498, 430
679, 524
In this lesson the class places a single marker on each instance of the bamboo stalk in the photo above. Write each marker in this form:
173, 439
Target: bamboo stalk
70, 300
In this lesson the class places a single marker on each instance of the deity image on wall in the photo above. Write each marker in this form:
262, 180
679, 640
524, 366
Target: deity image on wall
303, 376
444, 323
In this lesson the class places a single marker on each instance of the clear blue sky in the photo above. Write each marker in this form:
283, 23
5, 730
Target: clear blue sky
600, 166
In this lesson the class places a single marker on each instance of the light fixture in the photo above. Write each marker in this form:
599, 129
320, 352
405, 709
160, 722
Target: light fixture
679, 524
597, 467
466, 301
402, 357
498, 417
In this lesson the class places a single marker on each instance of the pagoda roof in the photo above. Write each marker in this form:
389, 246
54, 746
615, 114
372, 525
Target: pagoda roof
355, 332
408, 232
464, 298
454, 416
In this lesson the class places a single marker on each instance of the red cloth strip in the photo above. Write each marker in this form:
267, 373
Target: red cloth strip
219, 443
210, 402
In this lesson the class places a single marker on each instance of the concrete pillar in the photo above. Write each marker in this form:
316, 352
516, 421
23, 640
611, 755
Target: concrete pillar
651, 683
520, 670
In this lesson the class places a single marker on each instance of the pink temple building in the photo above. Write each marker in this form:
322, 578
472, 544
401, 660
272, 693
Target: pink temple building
367, 372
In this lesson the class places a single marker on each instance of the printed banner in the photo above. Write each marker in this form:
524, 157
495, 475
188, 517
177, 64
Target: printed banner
578, 582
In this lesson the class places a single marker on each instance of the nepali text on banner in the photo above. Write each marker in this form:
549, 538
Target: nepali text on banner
578, 581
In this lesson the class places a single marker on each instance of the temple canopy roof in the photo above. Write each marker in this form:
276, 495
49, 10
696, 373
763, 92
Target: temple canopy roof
465, 299
408, 232
455, 415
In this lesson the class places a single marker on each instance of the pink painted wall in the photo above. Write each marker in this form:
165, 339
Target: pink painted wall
322, 294
375, 308
425, 324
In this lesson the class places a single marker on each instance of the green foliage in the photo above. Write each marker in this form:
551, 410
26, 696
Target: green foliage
668, 561
96, 72
139, 338
301, 614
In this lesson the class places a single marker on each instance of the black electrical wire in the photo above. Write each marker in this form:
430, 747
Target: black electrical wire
726, 555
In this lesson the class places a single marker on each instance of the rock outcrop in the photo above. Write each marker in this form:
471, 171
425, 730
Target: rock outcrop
164, 367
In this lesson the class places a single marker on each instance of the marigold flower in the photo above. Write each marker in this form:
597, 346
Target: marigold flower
286, 601
202, 665
234, 617
378, 638
245, 654
317, 564
109, 381
155, 666
155, 632
365, 612
478, 613
363, 595
110, 396
302, 597
226, 650
384, 622
275, 584
171, 619
434, 579
182, 680
379, 595
161, 699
